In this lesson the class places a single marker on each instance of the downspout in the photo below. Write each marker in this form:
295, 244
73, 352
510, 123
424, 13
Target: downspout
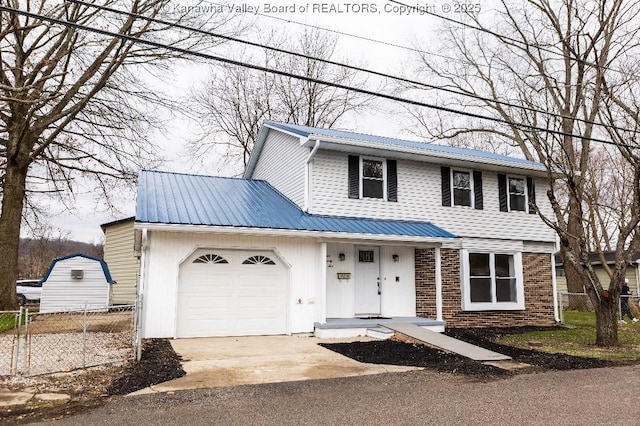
307, 176
438, 267
141, 286
554, 286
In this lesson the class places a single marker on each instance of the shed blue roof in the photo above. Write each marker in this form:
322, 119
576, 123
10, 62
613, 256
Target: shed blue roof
173, 198
103, 265
381, 141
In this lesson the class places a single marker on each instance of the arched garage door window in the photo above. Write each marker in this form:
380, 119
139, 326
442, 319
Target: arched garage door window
258, 260
210, 258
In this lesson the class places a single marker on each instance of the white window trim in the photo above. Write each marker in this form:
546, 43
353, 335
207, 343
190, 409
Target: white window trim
384, 178
526, 194
472, 187
467, 305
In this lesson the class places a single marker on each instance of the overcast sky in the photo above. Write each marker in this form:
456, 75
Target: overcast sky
378, 20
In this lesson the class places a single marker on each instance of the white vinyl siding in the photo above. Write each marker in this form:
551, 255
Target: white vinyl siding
123, 265
282, 164
420, 198
60, 292
397, 281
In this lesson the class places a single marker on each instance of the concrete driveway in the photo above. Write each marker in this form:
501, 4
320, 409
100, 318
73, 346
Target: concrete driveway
230, 361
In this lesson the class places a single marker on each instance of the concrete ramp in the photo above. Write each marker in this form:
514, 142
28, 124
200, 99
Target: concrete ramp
446, 343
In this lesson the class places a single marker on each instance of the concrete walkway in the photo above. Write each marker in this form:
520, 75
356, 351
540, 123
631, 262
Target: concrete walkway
230, 361
447, 343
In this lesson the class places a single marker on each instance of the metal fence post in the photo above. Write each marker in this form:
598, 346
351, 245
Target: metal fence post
16, 337
620, 309
27, 342
84, 337
561, 307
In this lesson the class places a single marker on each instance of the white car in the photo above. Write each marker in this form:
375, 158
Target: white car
28, 291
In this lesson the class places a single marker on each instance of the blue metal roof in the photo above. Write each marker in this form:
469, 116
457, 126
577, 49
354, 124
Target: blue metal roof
173, 198
103, 265
380, 141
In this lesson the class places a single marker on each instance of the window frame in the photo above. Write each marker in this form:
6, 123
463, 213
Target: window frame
472, 192
468, 305
383, 180
526, 193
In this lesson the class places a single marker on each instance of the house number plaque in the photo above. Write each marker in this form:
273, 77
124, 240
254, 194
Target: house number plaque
344, 275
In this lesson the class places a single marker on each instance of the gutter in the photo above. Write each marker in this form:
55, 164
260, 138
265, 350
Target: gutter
434, 154
307, 176
273, 232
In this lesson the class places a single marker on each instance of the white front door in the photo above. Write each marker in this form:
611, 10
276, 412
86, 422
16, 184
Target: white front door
367, 281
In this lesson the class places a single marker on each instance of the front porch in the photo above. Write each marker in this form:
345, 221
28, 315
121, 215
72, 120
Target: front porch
370, 326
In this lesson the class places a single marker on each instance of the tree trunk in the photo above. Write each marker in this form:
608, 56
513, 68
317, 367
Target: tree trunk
10, 221
607, 320
573, 278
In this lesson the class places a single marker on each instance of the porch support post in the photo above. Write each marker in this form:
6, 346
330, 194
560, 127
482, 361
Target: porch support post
438, 266
323, 276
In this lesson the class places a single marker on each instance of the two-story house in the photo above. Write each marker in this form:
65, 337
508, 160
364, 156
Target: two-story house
330, 228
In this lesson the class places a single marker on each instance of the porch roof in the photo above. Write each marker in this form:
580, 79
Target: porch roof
183, 199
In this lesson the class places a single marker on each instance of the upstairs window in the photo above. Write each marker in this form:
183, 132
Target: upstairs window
517, 194
372, 179
461, 188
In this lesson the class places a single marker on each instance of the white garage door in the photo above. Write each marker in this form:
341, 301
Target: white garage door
232, 293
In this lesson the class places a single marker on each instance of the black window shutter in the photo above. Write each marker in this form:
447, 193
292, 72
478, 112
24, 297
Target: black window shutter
354, 176
502, 192
477, 189
446, 186
392, 180
531, 192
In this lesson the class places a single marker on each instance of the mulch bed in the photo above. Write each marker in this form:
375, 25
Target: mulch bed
399, 353
159, 363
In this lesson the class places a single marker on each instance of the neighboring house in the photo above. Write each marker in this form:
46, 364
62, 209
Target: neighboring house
329, 225
76, 282
632, 273
122, 260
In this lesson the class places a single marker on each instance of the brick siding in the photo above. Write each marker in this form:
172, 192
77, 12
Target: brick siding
537, 288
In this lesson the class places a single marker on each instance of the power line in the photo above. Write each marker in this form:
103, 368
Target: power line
507, 38
202, 55
347, 66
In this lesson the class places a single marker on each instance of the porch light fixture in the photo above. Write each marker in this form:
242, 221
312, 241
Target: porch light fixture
341, 257
395, 257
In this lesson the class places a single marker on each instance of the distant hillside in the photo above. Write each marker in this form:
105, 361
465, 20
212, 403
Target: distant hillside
36, 254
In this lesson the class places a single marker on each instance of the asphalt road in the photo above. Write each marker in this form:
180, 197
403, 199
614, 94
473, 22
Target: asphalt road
595, 397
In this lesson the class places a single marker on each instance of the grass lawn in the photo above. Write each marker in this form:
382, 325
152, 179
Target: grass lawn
8, 321
578, 339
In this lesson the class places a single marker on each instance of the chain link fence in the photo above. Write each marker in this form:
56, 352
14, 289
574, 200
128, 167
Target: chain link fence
42, 343
581, 302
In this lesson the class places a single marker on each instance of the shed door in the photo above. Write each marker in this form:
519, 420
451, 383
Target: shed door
232, 293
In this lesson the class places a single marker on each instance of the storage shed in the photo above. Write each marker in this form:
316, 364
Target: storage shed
74, 282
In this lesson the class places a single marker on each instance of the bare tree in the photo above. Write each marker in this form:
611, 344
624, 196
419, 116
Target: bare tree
74, 103
232, 106
569, 68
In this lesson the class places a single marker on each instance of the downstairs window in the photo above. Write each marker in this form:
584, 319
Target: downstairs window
492, 281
